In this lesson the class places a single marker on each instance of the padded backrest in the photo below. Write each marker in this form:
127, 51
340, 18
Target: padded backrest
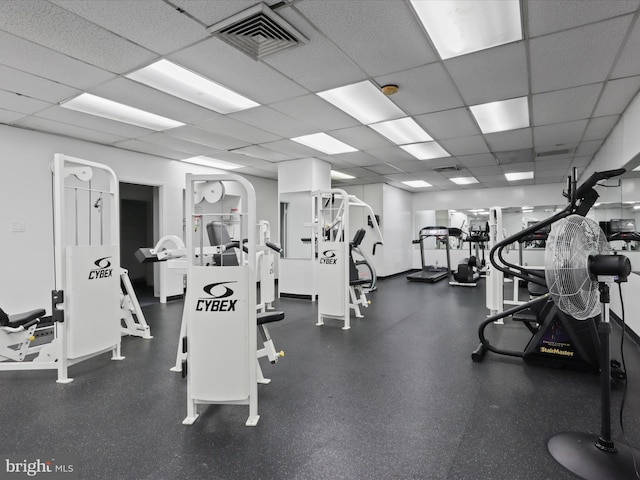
357, 238
218, 235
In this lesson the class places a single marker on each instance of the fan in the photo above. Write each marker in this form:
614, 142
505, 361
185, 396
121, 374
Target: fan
579, 269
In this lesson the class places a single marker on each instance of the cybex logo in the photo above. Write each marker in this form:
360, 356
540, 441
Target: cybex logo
214, 302
104, 269
328, 257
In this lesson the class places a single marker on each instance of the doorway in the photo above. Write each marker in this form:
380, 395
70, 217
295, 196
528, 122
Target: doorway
138, 228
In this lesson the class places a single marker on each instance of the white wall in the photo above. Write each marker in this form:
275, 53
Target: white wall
25, 196
398, 230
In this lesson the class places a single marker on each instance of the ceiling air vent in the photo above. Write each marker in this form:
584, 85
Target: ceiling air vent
551, 153
258, 31
447, 168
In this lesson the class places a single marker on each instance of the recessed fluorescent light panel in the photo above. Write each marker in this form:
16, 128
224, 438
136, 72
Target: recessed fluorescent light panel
514, 176
503, 115
340, 176
636, 207
402, 131
637, 169
463, 180
417, 183
182, 83
363, 101
93, 105
425, 151
458, 27
212, 162
324, 143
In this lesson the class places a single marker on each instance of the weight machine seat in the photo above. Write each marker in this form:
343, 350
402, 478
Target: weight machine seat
358, 237
20, 318
269, 317
218, 235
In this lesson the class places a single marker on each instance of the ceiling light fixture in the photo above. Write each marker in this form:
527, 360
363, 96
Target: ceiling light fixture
637, 169
340, 176
425, 151
515, 176
324, 143
402, 131
363, 101
502, 115
101, 107
175, 80
417, 183
212, 162
463, 180
458, 27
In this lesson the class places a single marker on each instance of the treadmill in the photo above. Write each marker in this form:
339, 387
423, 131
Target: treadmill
431, 273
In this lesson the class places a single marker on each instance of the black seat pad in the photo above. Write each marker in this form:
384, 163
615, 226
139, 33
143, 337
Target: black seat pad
268, 317
20, 318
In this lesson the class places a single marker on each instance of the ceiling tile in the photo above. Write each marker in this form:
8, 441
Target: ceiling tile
258, 151
558, 175
511, 140
576, 57
80, 119
325, 116
588, 148
565, 105
481, 160
43, 62
361, 137
145, 23
629, 62
423, 90
541, 165
391, 154
448, 124
230, 127
20, 103
495, 74
558, 134
53, 27
219, 142
308, 64
273, 121
600, 127
152, 149
383, 169
580, 162
257, 80
515, 156
8, 117
24, 83
57, 128
289, 147
465, 145
487, 170
360, 159
376, 50
336, 163
547, 17
257, 172
174, 143
209, 12
140, 96
617, 95
518, 167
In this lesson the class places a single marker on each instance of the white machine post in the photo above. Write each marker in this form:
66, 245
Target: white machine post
332, 267
221, 330
495, 278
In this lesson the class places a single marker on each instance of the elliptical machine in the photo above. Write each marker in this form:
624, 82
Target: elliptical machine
579, 346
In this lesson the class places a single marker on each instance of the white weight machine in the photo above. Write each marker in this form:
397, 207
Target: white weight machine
88, 303
218, 336
338, 289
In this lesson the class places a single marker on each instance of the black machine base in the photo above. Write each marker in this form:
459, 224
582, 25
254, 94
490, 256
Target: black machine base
578, 453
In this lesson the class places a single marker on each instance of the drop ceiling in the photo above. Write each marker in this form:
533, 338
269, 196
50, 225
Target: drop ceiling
578, 66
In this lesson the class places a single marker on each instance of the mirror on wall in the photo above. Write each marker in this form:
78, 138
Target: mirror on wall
296, 211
